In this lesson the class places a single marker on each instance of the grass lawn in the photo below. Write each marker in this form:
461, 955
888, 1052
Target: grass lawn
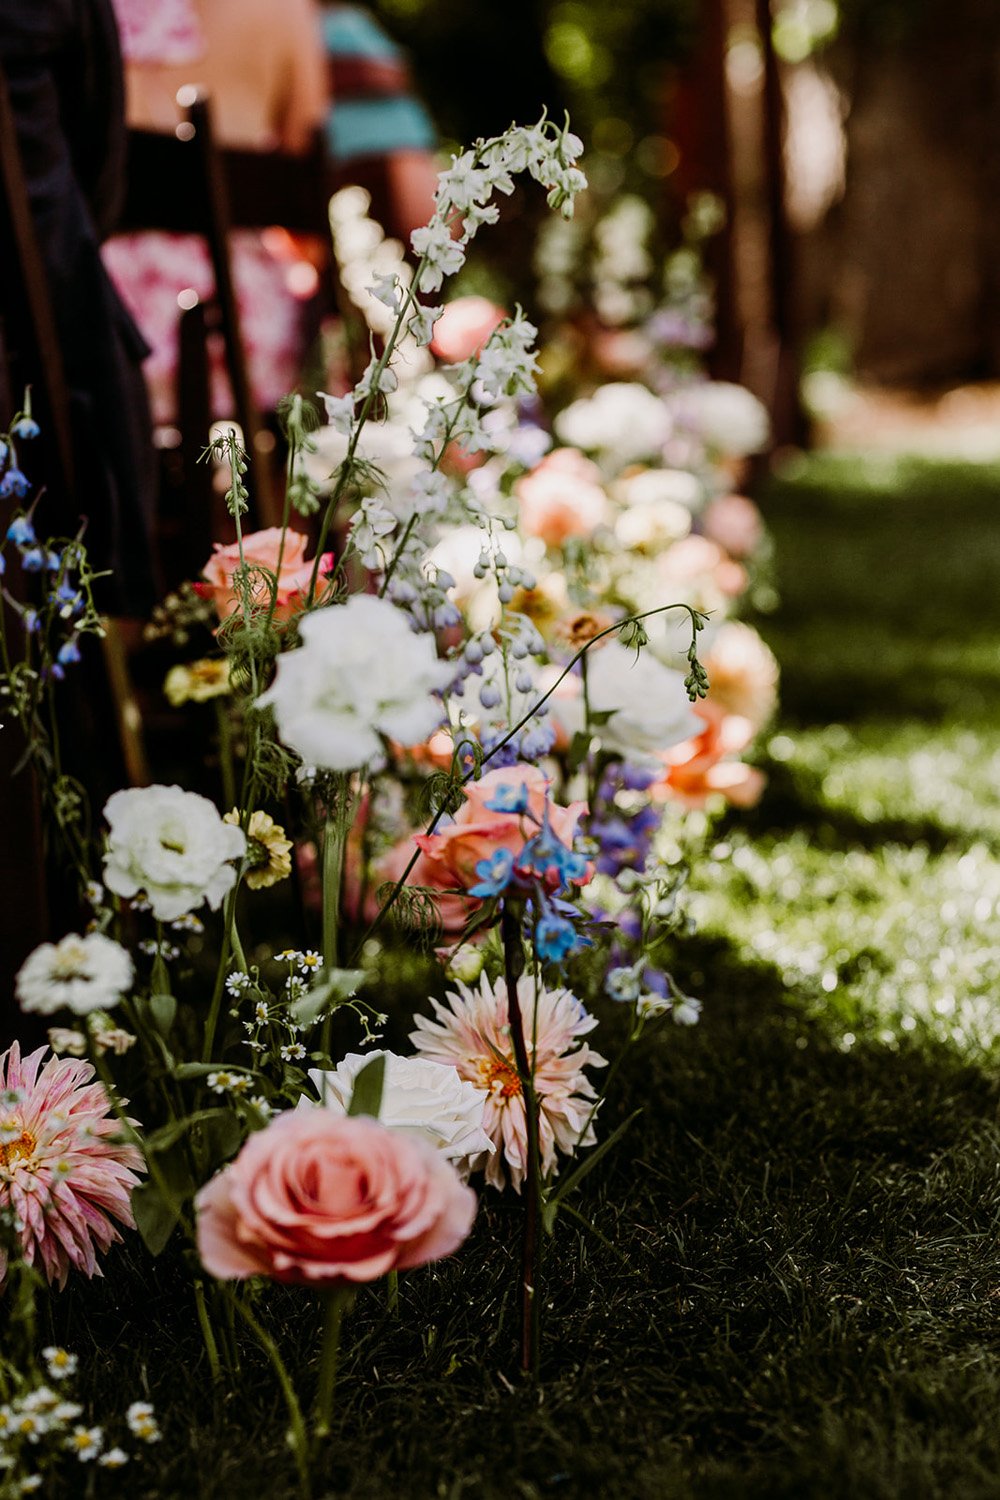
795, 1285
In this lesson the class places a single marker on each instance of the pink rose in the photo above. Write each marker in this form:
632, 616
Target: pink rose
453, 907
477, 832
261, 549
561, 498
463, 328
318, 1200
734, 522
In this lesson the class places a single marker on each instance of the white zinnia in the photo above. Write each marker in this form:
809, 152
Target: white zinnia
648, 702
81, 974
171, 844
416, 1095
622, 422
360, 673
727, 418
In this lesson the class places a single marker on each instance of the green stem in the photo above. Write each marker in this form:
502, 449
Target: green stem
204, 1323
297, 1427
225, 753
392, 1293
513, 954
334, 1303
212, 1020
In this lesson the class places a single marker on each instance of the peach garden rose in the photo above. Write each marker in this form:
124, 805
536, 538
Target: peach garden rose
477, 832
323, 1201
262, 549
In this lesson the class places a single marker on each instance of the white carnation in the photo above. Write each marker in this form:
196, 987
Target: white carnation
171, 844
623, 422
416, 1095
360, 673
647, 701
81, 974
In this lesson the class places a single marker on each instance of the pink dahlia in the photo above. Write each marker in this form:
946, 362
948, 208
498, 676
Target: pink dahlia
64, 1170
471, 1033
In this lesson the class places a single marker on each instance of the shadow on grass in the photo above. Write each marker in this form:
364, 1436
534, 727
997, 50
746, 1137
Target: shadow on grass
802, 1246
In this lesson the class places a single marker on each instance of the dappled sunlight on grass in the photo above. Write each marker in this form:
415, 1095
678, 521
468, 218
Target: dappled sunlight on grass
881, 942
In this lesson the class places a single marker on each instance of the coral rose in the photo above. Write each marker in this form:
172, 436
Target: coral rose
314, 1199
262, 549
463, 328
477, 832
561, 498
699, 768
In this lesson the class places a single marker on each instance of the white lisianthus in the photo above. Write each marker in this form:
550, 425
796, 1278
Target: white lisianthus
360, 673
622, 422
171, 844
416, 1095
647, 701
81, 974
727, 418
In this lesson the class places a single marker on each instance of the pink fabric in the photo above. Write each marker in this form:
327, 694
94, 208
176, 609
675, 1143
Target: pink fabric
151, 270
159, 31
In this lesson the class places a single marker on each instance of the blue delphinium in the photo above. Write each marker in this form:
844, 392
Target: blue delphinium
21, 532
510, 799
14, 483
555, 938
495, 875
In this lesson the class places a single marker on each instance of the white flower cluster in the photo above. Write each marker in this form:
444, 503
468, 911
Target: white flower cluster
359, 674
171, 844
40, 1426
463, 201
81, 974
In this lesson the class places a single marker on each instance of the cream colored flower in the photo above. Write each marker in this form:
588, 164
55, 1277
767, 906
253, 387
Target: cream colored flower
197, 681
742, 673
268, 850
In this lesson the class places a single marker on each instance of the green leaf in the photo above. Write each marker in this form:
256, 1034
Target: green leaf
329, 991
223, 1135
367, 1096
155, 1217
570, 1183
163, 1010
167, 1135
579, 749
202, 1070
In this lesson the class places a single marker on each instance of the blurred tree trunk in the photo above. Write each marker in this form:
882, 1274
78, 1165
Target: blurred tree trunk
914, 247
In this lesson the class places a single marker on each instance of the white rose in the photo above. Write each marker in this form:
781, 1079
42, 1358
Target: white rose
80, 974
727, 418
360, 673
171, 844
648, 702
416, 1095
622, 421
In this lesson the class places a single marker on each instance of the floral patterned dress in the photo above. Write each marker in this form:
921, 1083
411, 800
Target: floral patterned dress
153, 269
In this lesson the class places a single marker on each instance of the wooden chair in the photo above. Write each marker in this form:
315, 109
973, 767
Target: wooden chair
185, 183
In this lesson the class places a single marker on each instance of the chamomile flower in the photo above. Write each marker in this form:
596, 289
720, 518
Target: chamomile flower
115, 1458
86, 1443
59, 1362
142, 1422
